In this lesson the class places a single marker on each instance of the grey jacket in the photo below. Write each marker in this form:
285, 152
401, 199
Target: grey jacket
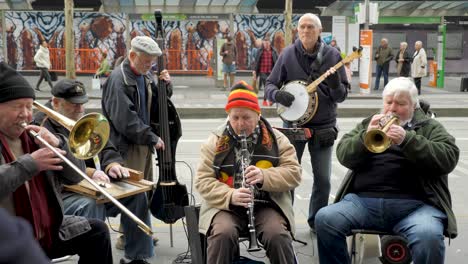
14, 174
121, 105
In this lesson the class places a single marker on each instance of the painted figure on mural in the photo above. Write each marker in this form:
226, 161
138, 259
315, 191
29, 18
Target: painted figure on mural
242, 50
200, 44
27, 47
12, 47
278, 41
174, 50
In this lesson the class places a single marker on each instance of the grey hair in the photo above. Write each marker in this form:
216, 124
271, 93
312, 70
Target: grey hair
405, 44
419, 42
315, 19
402, 85
384, 40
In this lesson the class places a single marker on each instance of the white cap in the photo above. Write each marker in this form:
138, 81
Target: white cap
147, 45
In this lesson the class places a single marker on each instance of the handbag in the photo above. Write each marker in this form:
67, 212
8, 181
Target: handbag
53, 76
96, 83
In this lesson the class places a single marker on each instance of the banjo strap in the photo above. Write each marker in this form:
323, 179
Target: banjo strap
315, 66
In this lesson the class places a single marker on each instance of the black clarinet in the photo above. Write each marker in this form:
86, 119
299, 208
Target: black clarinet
245, 157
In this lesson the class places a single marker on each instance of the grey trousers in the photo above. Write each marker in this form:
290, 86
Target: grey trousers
272, 232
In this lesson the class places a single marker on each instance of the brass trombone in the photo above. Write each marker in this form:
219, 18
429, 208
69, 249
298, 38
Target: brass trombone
376, 140
88, 136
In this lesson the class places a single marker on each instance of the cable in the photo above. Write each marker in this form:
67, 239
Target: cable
192, 201
184, 257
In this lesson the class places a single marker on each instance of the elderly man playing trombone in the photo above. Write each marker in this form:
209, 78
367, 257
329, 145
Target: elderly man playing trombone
31, 177
69, 97
398, 183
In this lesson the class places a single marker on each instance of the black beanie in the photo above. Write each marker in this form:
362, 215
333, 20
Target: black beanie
13, 85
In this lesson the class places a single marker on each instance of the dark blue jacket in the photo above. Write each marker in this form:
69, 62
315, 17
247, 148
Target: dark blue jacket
330, 92
17, 243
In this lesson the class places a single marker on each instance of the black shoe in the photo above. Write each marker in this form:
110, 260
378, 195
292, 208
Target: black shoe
135, 261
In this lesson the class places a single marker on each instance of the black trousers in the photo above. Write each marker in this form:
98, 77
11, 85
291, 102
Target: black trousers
93, 247
417, 82
44, 75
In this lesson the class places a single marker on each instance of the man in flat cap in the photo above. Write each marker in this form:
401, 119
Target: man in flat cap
31, 177
130, 103
69, 97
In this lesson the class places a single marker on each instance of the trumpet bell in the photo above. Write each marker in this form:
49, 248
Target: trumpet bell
376, 141
89, 135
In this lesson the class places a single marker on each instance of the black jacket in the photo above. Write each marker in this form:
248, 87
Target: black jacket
121, 106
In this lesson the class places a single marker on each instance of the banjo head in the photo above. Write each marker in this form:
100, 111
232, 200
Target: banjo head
304, 104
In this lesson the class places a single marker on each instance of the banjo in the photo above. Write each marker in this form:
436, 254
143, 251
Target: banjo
305, 102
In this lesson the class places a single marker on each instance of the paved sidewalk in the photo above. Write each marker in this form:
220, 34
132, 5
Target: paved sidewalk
198, 97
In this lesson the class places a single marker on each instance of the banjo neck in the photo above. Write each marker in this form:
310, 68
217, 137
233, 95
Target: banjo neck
311, 88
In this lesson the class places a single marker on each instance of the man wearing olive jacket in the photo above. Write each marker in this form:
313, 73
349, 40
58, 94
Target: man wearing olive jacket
402, 190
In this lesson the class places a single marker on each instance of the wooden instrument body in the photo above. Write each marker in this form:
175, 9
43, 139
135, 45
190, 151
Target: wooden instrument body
118, 189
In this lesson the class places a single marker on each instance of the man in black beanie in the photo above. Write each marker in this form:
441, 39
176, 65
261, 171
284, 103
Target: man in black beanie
31, 177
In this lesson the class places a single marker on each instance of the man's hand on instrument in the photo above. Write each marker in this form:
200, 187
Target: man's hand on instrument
253, 175
47, 160
241, 197
396, 133
284, 98
118, 172
100, 176
374, 123
160, 144
44, 134
330, 71
165, 76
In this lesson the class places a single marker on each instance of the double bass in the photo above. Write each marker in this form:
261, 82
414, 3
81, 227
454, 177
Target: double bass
170, 197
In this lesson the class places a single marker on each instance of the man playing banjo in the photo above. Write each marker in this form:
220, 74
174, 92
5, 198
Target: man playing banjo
304, 61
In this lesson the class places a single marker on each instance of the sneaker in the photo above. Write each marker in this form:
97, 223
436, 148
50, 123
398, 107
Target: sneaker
265, 103
37, 89
120, 244
135, 261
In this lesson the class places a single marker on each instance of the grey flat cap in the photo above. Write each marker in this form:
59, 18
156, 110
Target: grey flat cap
147, 45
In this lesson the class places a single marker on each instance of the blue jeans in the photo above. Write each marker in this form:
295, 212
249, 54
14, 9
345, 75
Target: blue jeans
378, 72
138, 245
422, 224
321, 160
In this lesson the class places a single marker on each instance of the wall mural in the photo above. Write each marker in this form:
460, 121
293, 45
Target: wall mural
189, 44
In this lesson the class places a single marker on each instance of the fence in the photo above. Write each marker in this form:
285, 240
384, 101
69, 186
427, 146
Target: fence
195, 62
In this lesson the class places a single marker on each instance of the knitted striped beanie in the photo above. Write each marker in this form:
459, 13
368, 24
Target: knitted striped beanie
242, 95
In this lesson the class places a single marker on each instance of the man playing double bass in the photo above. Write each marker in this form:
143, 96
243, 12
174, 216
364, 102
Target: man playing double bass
130, 103
69, 97
308, 58
270, 168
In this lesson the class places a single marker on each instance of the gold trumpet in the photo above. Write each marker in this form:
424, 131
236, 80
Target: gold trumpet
88, 136
376, 140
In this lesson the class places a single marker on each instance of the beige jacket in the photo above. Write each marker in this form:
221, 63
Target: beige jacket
278, 181
419, 66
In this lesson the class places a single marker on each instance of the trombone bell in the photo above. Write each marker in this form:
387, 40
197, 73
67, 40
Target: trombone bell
88, 135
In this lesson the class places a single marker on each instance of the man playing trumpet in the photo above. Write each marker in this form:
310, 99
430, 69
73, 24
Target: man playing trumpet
401, 190
69, 97
273, 170
31, 177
